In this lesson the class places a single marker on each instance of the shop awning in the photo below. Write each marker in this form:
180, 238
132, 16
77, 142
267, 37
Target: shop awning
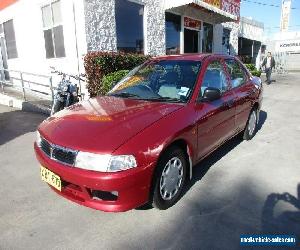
225, 16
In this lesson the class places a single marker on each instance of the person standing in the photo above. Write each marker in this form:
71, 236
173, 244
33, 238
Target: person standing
269, 64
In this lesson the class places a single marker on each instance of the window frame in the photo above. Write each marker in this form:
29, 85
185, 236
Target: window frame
222, 63
246, 76
144, 26
202, 37
15, 41
180, 31
51, 27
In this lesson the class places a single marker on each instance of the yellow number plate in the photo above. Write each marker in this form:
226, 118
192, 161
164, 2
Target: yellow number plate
51, 178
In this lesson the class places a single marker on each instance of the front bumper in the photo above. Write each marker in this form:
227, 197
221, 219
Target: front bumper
78, 185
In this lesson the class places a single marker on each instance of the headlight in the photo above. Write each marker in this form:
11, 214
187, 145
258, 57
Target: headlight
38, 139
104, 162
121, 162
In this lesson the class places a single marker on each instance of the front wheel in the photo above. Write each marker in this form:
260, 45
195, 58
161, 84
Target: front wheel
57, 106
251, 126
169, 179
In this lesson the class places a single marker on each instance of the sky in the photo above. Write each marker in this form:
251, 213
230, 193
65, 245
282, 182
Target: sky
269, 15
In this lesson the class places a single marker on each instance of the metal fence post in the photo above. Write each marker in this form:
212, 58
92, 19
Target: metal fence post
2, 87
23, 88
2, 84
51, 88
2, 77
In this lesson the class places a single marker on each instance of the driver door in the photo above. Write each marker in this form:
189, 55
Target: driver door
215, 119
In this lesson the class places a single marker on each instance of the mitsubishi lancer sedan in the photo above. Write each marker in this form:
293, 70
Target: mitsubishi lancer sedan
138, 144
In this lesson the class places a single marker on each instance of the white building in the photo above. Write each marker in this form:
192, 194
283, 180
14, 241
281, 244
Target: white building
286, 47
251, 38
37, 34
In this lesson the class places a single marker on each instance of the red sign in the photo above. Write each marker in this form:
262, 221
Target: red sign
6, 3
232, 7
216, 3
192, 23
229, 6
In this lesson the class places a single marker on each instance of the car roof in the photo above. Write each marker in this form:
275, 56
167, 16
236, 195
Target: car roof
192, 57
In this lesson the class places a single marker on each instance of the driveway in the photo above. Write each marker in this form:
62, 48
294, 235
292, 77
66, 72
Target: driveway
237, 190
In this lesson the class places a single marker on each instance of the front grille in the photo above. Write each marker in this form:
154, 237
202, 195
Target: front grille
64, 156
46, 147
61, 154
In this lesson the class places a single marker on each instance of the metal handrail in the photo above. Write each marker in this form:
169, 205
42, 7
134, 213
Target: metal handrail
27, 73
23, 87
22, 80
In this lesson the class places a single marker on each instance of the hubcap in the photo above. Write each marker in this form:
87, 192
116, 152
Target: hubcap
252, 123
171, 178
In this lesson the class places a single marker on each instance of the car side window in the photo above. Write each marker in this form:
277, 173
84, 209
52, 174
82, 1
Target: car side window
236, 73
214, 77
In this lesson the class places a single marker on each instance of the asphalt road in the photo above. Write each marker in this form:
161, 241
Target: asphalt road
237, 190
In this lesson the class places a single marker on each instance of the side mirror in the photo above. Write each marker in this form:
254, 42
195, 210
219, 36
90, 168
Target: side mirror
257, 81
211, 94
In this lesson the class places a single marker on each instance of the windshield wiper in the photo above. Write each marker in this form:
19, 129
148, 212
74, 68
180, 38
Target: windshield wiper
124, 95
165, 99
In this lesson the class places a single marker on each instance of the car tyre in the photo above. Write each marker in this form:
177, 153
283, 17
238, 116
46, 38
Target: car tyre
169, 178
57, 106
251, 126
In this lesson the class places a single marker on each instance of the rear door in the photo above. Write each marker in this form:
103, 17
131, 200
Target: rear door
215, 120
244, 91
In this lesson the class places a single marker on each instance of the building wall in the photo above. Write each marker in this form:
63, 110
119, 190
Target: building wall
28, 27
96, 30
155, 26
288, 57
234, 39
218, 28
101, 26
246, 28
218, 31
251, 29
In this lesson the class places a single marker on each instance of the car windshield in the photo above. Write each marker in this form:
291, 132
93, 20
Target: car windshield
159, 80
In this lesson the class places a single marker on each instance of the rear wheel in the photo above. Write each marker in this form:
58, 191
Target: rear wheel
57, 106
169, 179
251, 126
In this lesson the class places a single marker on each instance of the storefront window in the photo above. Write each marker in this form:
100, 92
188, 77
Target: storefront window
226, 41
129, 22
208, 34
173, 27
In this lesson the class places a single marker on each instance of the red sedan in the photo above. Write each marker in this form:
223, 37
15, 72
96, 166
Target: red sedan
139, 143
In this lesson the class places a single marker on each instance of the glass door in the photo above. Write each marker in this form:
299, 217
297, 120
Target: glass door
191, 41
192, 28
208, 34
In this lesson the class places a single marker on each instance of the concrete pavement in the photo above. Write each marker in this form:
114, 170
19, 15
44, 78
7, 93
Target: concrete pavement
237, 190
